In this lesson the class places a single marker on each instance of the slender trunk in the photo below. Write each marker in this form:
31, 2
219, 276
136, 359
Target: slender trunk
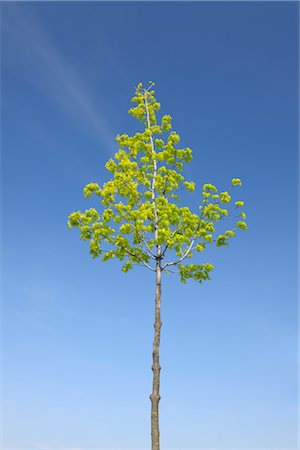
155, 397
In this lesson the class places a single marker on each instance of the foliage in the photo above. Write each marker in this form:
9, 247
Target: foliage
141, 220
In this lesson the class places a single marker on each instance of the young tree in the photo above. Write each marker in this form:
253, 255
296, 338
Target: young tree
141, 222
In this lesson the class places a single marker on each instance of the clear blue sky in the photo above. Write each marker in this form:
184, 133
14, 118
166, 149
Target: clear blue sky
78, 333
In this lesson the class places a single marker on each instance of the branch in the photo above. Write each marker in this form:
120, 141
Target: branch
167, 245
149, 249
174, 263
172, 271
151, 254
137, 257
131, 254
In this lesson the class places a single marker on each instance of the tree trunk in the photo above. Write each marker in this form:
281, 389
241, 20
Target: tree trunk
155, 397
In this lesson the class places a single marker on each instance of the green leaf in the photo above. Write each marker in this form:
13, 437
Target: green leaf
241, 225
236, 182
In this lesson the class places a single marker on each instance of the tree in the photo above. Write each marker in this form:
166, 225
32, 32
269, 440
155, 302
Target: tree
141, 222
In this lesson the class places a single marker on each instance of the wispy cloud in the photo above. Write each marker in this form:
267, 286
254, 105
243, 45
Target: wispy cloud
43, 64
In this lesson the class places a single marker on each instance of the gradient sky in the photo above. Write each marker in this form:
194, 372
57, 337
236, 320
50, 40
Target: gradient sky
78, 333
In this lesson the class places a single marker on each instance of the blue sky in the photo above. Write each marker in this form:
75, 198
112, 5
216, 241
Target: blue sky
78, 333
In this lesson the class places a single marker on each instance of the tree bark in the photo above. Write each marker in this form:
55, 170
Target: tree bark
155, 397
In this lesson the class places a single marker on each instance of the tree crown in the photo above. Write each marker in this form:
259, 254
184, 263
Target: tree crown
141, 222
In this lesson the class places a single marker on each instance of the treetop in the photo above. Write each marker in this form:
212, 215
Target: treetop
140, 220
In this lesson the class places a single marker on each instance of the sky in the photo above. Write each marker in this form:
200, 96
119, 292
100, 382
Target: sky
77, 334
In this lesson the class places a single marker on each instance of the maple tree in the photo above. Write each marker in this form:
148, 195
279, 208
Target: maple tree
141, 221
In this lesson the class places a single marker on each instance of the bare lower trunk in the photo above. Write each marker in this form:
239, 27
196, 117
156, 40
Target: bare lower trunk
155, 397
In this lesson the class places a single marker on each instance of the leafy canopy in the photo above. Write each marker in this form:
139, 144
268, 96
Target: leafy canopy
141, 221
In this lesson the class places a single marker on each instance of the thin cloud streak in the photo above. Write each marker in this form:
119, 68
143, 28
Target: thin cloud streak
53, 75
